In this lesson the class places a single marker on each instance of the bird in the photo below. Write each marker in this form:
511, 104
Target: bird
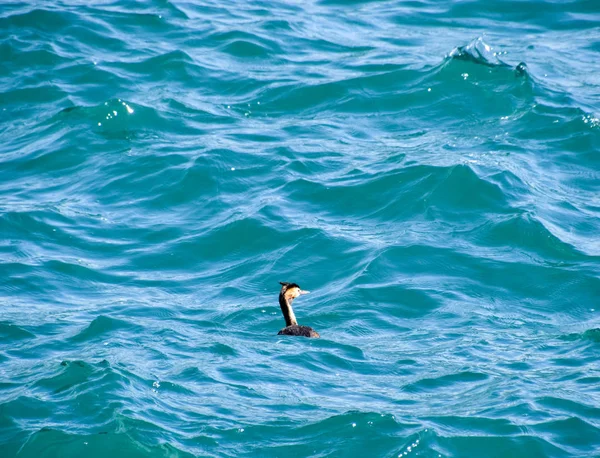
289, 292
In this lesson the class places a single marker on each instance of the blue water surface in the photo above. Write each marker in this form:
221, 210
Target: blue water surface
430, 170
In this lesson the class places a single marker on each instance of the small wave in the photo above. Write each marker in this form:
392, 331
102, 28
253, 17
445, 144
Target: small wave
73, 444
100, 327
414, 303
173, 65
44, 20
74, 373
479, 52
578, 436
242, 48
119, 119
241, 44
11, 331
570, 407
525, 231
463, 189
446, 381
590, 335
115, 117
408, 191
341, 434
498, 446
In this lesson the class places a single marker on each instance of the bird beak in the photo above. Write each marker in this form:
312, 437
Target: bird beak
302, 291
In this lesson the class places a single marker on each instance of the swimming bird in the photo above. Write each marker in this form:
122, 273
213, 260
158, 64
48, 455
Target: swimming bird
289, 292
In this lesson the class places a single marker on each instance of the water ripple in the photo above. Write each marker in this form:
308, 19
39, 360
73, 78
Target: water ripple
428, 169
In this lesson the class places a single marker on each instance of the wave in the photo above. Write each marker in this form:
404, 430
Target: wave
590, 335
10, 331
163, 166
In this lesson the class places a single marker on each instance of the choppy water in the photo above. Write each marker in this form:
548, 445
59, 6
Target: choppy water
164, 164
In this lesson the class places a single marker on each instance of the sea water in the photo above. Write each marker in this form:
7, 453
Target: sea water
428, 169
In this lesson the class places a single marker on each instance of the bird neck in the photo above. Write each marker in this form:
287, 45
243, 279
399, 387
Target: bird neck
286, 309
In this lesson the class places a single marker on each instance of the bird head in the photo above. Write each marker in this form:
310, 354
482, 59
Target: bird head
291, 290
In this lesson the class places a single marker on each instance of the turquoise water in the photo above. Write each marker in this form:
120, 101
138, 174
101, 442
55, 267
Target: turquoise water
430, 170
